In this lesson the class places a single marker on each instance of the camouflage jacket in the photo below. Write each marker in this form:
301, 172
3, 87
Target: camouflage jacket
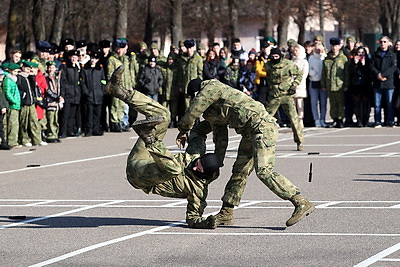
335, 73
189, 69
282, 76
114, 61
224, 105
169, 88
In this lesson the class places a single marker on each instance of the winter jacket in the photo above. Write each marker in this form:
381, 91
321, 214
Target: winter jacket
11, 92
386, 65
151, 80
335, 74
71, 79
94, 83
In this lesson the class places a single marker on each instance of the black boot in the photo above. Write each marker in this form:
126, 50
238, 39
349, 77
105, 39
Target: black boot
115, 127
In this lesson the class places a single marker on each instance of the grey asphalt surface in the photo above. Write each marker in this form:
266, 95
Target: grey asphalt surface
80, 210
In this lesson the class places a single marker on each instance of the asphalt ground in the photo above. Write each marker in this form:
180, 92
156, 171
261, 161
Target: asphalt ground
81, 211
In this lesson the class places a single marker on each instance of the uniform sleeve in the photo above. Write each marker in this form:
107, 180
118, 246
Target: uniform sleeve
221, 140
195, 209
207, 96
297, 74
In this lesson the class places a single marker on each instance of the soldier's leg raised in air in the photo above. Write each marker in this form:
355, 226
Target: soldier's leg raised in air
264, 161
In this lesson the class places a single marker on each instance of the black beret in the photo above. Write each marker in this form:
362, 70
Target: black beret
276, 51
334, 41
189, 43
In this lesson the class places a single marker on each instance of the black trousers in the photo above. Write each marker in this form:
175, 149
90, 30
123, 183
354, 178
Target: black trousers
92, 120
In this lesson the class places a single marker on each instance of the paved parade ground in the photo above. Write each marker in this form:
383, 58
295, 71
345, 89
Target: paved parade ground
81, 211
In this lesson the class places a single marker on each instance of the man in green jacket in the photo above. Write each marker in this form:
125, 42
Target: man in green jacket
222, 105
152, 168
283, 76
335, 79
3, 110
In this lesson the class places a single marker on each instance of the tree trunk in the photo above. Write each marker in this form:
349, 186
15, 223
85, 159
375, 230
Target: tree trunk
60, 10
12, 30
39, 31
234, 20
148, 34
176, 21
209, 14
121, 25
269, 24
283, 22
321, 19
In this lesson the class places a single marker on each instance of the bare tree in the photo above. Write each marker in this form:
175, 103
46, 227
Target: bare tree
12, 31
121, 25
60, 10
176, 21
283, 21
148, 32
39, 31
234, 20
301, 11
268, 24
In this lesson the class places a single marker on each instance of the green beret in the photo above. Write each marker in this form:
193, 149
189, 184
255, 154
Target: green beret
30, 64
12, 66
5, 65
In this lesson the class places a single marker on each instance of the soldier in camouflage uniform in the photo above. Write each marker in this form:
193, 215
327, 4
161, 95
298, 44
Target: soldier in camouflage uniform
170, 92
283, 76
153, 169
119, 58
222, 105
190, 66
335, 80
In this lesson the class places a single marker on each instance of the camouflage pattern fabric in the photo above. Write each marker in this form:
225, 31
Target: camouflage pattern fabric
336, 102
222, 106
155, 170
52, 124
29, 125
12, 127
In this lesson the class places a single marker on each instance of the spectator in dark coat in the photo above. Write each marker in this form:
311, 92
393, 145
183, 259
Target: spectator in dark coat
151, 79
212, 68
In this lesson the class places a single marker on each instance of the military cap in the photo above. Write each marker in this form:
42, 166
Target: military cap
173, 47
29, 64
68, 41
143, 45
80, 44
181, 43
105, 43
43, 46
334, 41
236, 40
154, 46
55, 49
269, 40
5, 65
171, 55
73, 53
318, 38
189, 43
11, 66
350, 39
202, 46
152, 58
291, 42
51, 63
193, 87
121, 43
210, 163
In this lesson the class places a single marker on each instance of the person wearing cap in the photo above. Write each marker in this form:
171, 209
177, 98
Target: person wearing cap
30, 130
170, 94
13, 97
105, 48
335, 79
237, 49
3, 111
283, 77
160, 59
190, 66
261, 74
118, 58
202, 50
43, 49
81, 47
93, 85
223, 106
152, 168
66, 45
151, 78
55, 102
142, 55
71, 91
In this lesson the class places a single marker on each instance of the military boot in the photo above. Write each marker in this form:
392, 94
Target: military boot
115, 86
225, 216
302, 208
144, 128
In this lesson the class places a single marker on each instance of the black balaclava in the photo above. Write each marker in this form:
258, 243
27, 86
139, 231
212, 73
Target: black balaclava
275, 51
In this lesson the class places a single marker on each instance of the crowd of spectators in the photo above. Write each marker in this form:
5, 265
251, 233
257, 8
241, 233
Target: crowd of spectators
57, 91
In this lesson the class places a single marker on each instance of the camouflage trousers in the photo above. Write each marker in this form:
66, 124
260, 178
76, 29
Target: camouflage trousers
117, 110
289, 108
30, 130
336, 102
52, 124
12, 124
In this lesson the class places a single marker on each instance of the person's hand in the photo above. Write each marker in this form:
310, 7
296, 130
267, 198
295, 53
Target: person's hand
3, 111
292, 90
381, 78
181, 140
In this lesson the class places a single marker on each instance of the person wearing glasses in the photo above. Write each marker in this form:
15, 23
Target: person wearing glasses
383, 68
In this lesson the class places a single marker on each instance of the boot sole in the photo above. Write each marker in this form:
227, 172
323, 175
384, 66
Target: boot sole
308, 212
231, 222
150, 121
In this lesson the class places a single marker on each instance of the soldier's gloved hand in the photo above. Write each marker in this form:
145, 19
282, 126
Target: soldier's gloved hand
209, 223
181, 140
292, 90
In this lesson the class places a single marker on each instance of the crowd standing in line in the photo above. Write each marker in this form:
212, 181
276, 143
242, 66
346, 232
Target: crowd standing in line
58, 91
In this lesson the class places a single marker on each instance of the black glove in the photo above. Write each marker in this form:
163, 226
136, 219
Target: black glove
292, 90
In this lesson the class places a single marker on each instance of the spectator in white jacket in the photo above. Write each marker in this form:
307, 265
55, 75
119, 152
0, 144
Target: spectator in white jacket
318, 96
300, 59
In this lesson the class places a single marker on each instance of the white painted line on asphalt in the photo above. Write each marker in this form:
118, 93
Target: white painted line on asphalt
274, 234
59, 214
174, 204
40, 203
106, 243
379, 256
22, 153
366, 149
328, 204
389, 259
389, 154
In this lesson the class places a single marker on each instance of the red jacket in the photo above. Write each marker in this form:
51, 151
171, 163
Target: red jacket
41, 82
